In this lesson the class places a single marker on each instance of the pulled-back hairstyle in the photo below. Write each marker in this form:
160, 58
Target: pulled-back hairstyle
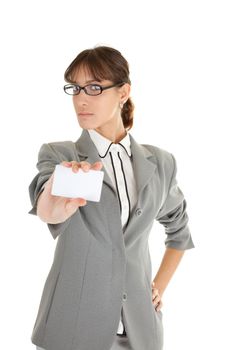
103, 62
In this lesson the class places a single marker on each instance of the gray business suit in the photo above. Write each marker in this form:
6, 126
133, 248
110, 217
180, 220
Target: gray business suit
98, 269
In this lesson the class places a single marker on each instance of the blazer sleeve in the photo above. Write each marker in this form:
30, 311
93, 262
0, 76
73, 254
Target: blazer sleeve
173, 216
48, 158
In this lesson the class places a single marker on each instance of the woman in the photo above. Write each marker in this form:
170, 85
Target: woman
99, 294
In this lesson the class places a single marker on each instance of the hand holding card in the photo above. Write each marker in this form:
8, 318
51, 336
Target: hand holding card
82, 184
67, 196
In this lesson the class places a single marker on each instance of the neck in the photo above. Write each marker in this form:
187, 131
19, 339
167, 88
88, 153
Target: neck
115, 133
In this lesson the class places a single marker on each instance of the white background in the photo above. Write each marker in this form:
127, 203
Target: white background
180, 56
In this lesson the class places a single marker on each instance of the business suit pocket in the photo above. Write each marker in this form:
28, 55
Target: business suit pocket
52, 297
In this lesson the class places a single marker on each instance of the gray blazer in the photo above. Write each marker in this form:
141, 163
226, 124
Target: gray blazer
99, 269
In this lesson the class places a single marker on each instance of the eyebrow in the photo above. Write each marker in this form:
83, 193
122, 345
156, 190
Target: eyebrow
88, 81
91, 81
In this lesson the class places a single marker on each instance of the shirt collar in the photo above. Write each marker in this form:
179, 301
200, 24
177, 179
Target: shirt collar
103, 144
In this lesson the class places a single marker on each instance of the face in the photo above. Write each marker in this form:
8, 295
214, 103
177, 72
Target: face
101, 112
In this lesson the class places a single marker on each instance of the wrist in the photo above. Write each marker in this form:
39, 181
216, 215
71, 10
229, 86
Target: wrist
158, 287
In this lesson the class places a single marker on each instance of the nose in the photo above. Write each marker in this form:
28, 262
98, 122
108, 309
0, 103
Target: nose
81, 98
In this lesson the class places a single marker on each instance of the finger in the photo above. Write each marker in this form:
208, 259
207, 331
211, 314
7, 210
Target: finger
65, 163
75, 166
80, 201
97, 166
155, 292
157, 297
156, 300
156, 304
159, 306
74, 203
85, 166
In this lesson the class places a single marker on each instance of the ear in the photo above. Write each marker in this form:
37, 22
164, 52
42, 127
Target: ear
125, 92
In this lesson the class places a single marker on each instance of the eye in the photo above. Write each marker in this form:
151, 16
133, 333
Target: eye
75, 88
95, 87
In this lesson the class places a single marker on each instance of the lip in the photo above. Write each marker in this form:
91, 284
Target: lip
84, 114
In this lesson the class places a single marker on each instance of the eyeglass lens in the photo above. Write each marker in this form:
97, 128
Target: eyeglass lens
91, 89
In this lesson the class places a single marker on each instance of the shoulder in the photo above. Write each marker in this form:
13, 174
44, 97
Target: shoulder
162, 157
59, 149
165, 164
164, 161
61, 145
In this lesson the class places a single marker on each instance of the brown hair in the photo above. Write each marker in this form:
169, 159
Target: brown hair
104, 62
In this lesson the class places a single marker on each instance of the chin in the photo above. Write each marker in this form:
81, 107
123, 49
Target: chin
87, 126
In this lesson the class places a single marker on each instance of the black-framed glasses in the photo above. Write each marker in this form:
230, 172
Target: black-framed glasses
90, 89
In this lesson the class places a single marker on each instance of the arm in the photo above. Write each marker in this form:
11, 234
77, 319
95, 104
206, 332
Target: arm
54, 210
174, 218
168, 266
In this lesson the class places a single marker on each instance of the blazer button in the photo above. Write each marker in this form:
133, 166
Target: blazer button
124, 296
138, 211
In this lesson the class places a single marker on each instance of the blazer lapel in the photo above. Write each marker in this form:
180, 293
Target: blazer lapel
143, 169
142, 166
88, 152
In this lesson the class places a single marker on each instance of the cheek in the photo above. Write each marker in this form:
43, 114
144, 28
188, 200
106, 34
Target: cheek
110, 106
75, 104
103, 107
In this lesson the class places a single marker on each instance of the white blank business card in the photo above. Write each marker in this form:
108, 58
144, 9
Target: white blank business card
82, 184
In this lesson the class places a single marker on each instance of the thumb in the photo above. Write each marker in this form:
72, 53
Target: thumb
73, 204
